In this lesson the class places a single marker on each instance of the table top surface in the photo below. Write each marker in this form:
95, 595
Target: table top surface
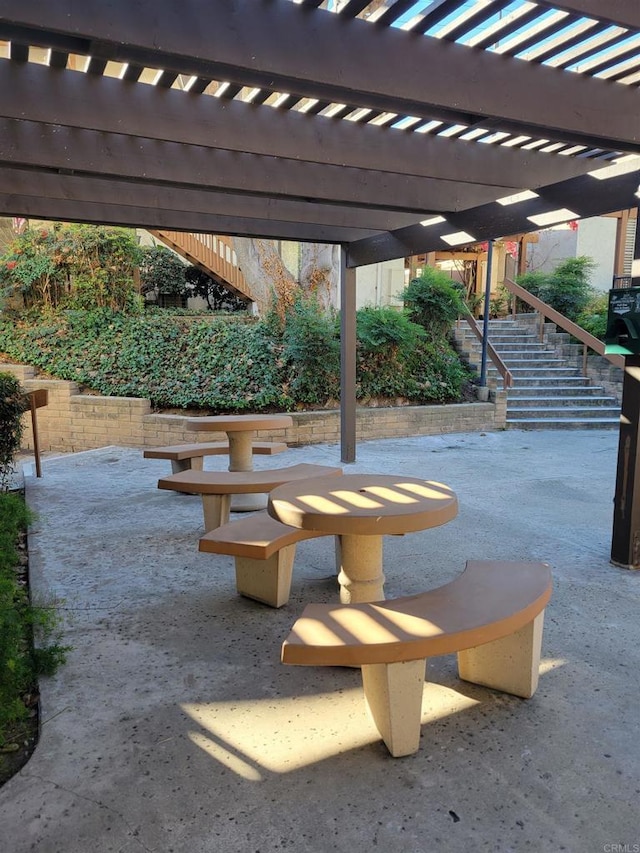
238, 423
363, 504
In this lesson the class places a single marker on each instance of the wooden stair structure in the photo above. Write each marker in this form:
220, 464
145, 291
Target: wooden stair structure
212, 254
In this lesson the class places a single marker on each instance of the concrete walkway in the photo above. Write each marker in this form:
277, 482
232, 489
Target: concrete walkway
173, 727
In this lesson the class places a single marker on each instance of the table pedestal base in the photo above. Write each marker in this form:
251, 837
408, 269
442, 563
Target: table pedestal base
241, 459
360, 561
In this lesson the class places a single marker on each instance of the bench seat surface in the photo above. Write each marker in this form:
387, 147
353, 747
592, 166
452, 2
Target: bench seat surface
242, 482
489, 600
256, 536
211, 448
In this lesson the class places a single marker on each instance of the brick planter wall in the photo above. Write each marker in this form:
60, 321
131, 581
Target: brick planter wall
73, 421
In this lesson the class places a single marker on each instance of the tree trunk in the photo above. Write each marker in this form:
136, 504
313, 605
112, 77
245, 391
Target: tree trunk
319, 272
264, 271
269, 280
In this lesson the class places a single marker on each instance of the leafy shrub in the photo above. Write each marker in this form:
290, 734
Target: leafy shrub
21, 660
534, 282
386, 329
500, 302
163, 271
226, 366
593, 318
74, 265
566, 289
217, 296
311, 352
438, 374
13, 404
173, 360
434, 302
387, 341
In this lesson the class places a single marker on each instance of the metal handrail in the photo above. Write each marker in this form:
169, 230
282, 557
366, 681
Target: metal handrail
546, 311
498, 363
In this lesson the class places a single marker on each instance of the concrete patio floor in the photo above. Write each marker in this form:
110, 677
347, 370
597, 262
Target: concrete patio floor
173, 727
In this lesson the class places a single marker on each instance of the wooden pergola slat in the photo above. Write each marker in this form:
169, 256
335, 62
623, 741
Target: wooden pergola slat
309, 53
83, 101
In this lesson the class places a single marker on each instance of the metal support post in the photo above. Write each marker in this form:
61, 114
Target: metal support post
347, 360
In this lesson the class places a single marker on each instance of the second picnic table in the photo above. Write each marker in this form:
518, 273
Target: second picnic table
240, 431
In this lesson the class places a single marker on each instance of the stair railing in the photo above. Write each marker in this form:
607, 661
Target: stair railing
498, 363
546, 312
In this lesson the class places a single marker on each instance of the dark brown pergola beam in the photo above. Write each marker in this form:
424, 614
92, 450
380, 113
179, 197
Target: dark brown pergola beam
624, 13
319, 55
27, 182
584, 195
86, 101
173, 220
50, 147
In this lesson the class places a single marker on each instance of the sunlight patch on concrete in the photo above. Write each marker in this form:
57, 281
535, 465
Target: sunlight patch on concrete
257, 738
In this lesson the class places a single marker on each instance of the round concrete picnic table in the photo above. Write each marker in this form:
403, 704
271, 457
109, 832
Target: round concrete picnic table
360, 509
241, 430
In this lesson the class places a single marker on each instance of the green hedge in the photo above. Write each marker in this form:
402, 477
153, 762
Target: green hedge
224, 366
21, 661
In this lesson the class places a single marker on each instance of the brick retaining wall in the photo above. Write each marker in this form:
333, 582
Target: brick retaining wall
73, 421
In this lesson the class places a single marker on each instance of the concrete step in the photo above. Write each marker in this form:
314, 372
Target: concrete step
561, 402
502, 339
535, 372
513, 349
556, 391
563, 412
539, 357
551, 382
563, 423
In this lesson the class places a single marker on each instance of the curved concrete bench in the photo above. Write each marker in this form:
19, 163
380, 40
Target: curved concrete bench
264, 550
186, 457
491, 615
216, 487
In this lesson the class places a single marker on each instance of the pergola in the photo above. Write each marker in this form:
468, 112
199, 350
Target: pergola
390, 127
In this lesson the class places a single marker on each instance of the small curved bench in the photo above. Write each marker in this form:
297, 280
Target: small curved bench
264, 550
187, 457
217, 487
491, 615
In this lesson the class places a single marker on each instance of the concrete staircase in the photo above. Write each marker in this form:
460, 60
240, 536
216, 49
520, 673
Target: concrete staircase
549, 390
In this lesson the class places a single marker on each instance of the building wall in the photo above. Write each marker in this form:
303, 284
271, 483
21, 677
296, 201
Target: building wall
553, 247
594, 237
597, 240
380, 284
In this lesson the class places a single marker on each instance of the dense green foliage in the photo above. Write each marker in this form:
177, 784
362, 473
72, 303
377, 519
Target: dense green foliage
77, 266
566, 289
434, 302
21, 660
593, 318
397, 358
311, 352
162, 270
225, 366
217, 296
13, 404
